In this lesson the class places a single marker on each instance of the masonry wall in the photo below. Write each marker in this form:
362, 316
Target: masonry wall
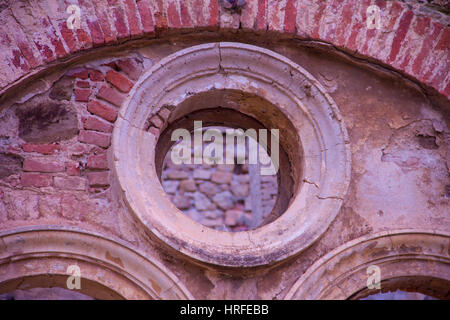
56, 123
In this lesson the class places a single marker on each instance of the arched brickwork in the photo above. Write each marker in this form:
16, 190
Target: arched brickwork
409, 42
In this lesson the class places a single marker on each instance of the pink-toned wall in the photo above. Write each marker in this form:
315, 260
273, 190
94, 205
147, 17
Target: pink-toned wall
61, 91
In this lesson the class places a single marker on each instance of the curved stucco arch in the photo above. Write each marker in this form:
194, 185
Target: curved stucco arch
315, 127
109, 267
400, 254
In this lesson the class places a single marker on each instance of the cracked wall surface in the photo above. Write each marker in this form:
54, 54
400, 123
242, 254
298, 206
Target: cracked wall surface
56, 121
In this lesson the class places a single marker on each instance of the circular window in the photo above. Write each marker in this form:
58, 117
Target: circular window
236, 86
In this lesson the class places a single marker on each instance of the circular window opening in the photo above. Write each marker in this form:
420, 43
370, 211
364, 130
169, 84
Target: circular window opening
234, 85
233, 195
222, 167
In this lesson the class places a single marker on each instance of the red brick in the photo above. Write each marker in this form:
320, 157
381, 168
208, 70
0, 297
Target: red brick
83, 84
367, 41
97, 138
133, 21
78, 73
381, 4
54, 38
261, 17
79, 149
400, 34
328, 31
16, 61
84, 40
290, 16
31, 179
395, 13
97, 161
42, 165
120, 23
13, 150
358, 26
28, 54
94, 123
101, 11
345, 22
96, 33
70, 183
68, 36
186, 20
43, 42
82, 95
73, 168
19, 60
427, 47
111, 95
148, 24
111, 64
98, 179
119, 81
317, 18
93, 26
365, 34
421, 26
41, 148
275, 15
106, 112
26, 47
197, 10
96, 75
45, 51
213, 13
130, 67
405, 62
173, 16
444, 40
160, 21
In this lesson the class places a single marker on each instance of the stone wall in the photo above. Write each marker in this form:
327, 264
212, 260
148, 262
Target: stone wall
218, 195
61, 96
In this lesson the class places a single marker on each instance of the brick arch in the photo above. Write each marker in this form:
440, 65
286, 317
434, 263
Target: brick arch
34, 34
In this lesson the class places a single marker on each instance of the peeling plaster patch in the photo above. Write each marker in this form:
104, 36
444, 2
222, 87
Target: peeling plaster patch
413, 146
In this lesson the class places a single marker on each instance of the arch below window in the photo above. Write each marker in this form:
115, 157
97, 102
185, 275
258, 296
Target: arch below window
412, 260
110, 269
315, 140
